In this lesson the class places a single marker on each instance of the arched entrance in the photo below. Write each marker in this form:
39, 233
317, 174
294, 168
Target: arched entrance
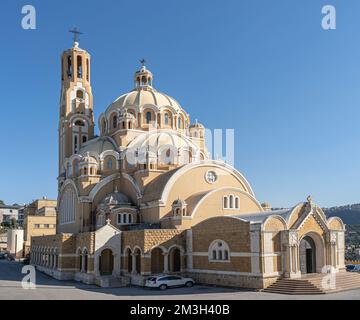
106, 262
157, 261
175, 260
307, 252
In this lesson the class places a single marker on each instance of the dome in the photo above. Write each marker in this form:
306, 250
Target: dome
140, 98
97, 146
116, 198
89, 159
143, 96
126, 115
197, 125
179, 203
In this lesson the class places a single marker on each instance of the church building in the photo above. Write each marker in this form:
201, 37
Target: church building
144, 197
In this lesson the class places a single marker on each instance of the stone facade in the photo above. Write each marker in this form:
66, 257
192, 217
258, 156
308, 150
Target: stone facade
146, 198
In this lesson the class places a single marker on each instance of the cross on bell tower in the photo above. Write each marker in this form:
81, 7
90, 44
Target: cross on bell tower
76, 34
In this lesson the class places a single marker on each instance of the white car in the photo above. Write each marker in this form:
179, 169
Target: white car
166, 281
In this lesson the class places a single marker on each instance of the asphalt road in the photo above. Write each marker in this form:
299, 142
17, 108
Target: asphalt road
48, 288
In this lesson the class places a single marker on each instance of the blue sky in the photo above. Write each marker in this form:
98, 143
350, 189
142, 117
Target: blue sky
266, 68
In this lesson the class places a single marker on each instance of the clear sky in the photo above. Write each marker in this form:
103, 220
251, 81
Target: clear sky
290, 89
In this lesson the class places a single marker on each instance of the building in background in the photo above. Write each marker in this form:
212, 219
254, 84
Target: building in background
39, 220
8, 212
20, 219
3, 241
15, 241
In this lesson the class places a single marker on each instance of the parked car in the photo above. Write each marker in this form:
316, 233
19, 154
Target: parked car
349, 267
356, 268
168, 281
10, 257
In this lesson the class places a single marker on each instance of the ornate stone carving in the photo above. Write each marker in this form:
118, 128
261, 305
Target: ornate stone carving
293, 239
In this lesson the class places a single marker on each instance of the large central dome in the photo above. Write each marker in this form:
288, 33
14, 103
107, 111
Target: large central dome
144, 96
141, 98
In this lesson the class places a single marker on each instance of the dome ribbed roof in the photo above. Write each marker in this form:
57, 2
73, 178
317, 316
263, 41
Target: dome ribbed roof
140, 98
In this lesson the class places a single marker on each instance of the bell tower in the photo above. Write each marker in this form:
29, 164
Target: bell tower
76, 125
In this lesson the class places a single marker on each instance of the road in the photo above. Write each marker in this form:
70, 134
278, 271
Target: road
48, 288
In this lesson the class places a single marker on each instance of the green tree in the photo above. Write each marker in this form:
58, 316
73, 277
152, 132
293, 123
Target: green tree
2, 203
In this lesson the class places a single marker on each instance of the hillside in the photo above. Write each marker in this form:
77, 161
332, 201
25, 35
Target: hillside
350, 214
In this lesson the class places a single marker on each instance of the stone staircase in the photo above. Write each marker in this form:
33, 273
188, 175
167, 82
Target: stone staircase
315, 284
112, 282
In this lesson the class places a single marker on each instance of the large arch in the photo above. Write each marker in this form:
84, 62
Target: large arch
106, 262
317, 245
157, 260
211, 163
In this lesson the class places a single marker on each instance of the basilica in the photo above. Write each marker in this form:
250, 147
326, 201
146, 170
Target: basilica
145, 197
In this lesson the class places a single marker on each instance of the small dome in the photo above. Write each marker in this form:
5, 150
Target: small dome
88, 159
179, 203
197, 125
126, 115
97, 146
116, 198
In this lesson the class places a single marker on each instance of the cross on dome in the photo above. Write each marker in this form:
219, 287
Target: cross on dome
143, 61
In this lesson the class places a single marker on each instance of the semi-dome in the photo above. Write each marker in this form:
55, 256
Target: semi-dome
116, 198
154, 140
97, 146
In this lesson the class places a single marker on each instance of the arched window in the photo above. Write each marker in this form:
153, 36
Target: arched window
110, 164
80, 123
84, 139
75, 144
237, 206
79, 67
179, 123
226, 204
67, 206
85, 171
114, 121
87, 69
166, 119
231, 204
80, 94
148, 117
69, 63
219, 251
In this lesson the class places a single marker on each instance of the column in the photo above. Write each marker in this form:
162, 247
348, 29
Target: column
166, 262
133, 257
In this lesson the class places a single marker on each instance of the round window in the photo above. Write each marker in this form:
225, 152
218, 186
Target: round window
210, 176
